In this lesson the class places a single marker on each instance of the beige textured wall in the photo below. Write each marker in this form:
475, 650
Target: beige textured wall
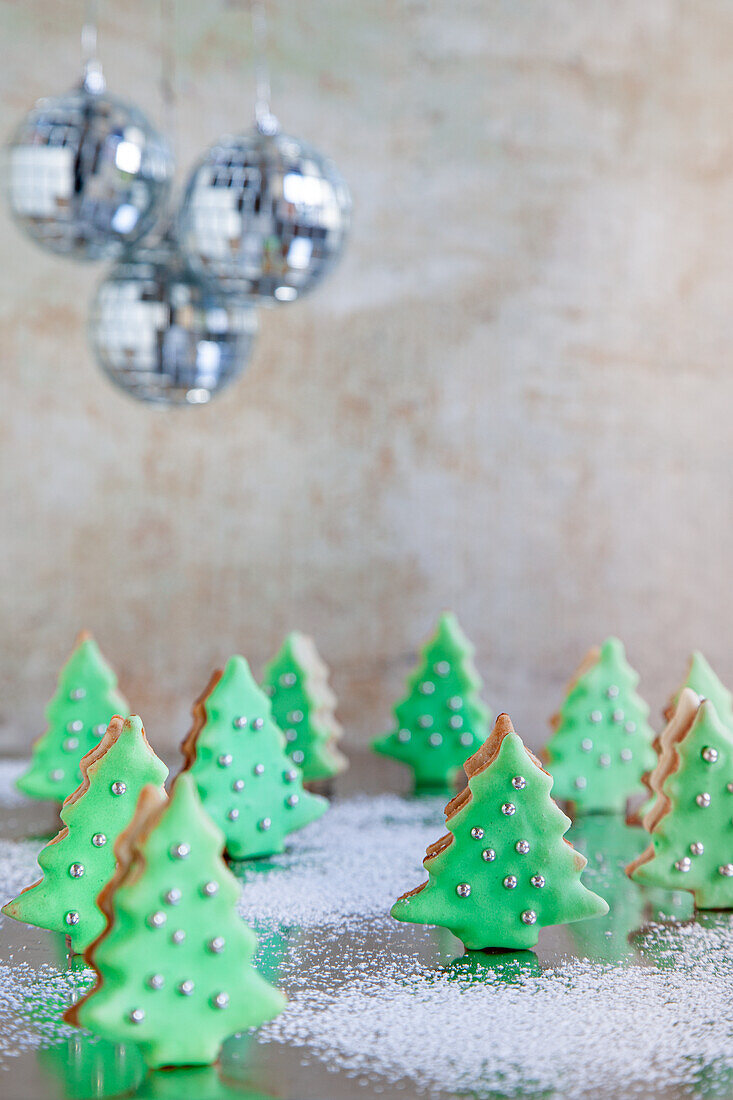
514, 398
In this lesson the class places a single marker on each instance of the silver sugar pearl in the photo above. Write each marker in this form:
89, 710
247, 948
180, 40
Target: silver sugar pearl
427, 687
538, 881
488, 855
703, 800
604, 760
435, 739
586, 744
697, 848
618, 716
70, 744
157, 919
630, 727
172, 896
425, 721
729, 788
455, 702
463, 889
522, 846
72, 917
264, 824
709, 754
291, 735
580, 783
56, 775
240, 722
292, 800
529, 916
287, 680
221, 1000
225, 760
726, 870
466, 739
76, 726
298, 756
477, 832
100, 730
626, 755
178, 936
683, 864
403, 736
258, 723
185, 988
137, 1015
258, 769
295, 716
519, 782
233, 814
181, 851
611, 691
238, 785
156, 981
216, 945
76, 870
99, 840
210, 889
508, 808
77, 693
441, 668
290, 775
596, 716
455, 722
118, 787
510, 882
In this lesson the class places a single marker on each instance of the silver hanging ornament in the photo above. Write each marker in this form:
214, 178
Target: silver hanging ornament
87, 173
163, 335
264, 214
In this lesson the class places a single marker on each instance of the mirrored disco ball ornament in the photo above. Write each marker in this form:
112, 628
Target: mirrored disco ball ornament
264, 215
87, 174
163, 335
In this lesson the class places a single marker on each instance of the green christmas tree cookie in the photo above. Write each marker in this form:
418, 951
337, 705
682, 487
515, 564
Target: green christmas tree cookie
86, 699
303, 706
442, 720
80, 860
602, 742
504, 869
703, 681
173, 964
236, 753
690, 822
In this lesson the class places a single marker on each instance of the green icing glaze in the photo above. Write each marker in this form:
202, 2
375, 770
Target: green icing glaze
303, 705
86, 699
248, 784
80, 860
174, 964
703, 681
692, 842
483, 885
84, 1067
601, 746
442, 720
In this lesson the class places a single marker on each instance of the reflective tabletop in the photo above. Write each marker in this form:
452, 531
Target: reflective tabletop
637, 1003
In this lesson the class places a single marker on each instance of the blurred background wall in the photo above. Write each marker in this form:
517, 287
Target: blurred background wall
513, 398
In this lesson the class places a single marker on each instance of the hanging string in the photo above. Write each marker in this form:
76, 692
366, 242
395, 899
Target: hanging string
93, 78
264, 118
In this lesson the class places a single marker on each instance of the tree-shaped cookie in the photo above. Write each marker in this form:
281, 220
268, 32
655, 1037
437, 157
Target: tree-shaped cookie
86, 699
236, 753
504, 869
80, 860
704, 682
442, 719
303, 705
173, 964
690, 823
602, 742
